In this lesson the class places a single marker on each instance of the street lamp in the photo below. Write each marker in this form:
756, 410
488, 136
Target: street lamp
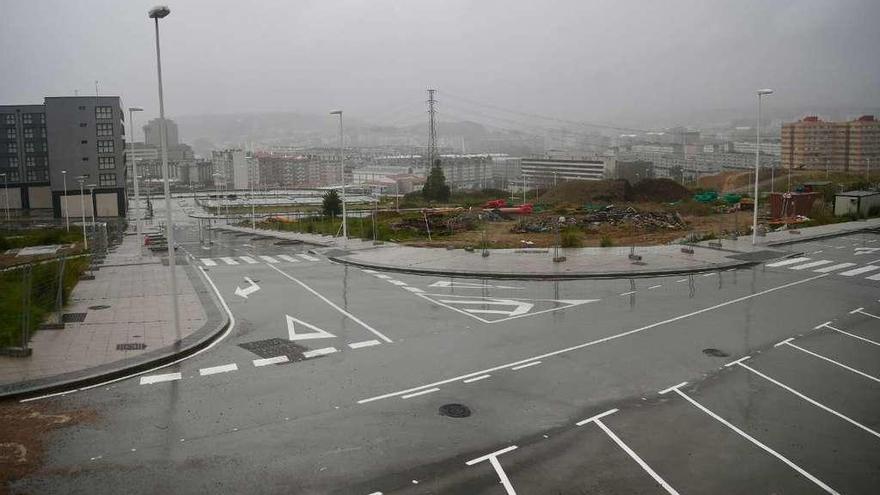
134, 172
342, 169
82, 207
157, 13
6, 193
760, 93
66, 209
92, 196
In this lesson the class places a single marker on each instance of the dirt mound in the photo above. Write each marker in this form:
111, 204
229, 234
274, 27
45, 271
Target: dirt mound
653, 190
586, 191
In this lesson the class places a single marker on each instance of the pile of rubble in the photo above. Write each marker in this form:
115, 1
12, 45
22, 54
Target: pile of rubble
642, 220
455, 221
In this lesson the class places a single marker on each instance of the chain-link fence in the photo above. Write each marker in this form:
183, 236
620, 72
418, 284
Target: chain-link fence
34, 295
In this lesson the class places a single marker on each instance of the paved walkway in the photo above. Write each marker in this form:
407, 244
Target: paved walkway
136, 289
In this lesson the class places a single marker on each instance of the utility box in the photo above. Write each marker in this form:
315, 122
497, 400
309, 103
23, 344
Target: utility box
856, 203
789, 205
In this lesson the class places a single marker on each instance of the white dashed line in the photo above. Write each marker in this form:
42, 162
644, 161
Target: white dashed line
170, 377
628, 293
423, 392
248, 260
859, 270
839, 266
307, 257
812, 264
790, 261
533, 363
319, 352
654, 287
476, 378
681, 280
289, 258
414, 289
708, 274
226, 368
268, 259
369, 271
397, 283
382, 276
271, 360
209, 262
366, 343
229, 261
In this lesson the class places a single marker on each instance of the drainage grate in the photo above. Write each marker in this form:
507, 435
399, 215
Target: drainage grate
758, 255
715, 352
275, 347
99, 307
288, 242
455, 410
73, 317
133, 346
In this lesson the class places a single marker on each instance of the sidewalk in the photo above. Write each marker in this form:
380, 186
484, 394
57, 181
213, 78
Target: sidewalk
779, 239
326, 241
126, 323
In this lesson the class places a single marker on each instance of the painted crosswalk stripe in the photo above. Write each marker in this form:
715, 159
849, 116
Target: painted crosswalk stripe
269, 259
790, 261
170, 377
860, 270
271, 360
307, 257
366, 343
229, 261
812, 264
289, 258
209, 262
839, 266
319, 352
226, 368
248, 260
874, 277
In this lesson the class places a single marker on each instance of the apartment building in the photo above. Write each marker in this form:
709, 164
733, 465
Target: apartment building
812, 143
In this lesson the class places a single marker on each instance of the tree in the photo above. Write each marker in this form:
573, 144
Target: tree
436, 188
332, 205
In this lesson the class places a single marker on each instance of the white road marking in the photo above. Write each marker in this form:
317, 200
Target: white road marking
533, 363
316, 333
654, 287
209, 262
229, 261
476, 378
874, 277
369, 271
271, 360
753, 440
839, 266
597, 341
366, 343
170, 377
708, 274
848, 368
268, 259
423, 392
857, 271
319, 352
826, 325
522, 307
519, 313
468, 285
597, 419
334, 305
493, 459
253, 287
397, 283
811, 264
628, 293
414, 289
226, 368
789, 261
862, 311
681, 280
817, 252
811, 401
289, 258
307, 257
248, 260
382, 276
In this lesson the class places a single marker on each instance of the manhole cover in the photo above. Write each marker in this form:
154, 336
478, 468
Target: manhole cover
275, 347
455, 410
99, 306
73, 317
134, 346
715, 352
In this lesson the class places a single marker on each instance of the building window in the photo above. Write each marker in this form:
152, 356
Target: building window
106, 162
30, 161
29, 133
106, 180
10, 133
83, 124
105, 129
82, 107
42, 132
12, 147
27, 119
42, 118
105, 146
29, 147
103, 112
10, 119
13, 161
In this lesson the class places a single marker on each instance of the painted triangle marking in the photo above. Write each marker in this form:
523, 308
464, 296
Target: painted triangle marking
503, 307
316, 332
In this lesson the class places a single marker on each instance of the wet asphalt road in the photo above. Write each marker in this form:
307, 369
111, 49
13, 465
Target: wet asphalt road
529, 359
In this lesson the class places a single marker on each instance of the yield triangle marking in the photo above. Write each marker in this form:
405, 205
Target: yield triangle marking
503, 308
316, 332
865, 250
469, 285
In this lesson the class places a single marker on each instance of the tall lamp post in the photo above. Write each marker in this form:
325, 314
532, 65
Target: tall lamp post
82, 207
134, 173
157, 13
66, 209
342, 169
6, 193
760, 93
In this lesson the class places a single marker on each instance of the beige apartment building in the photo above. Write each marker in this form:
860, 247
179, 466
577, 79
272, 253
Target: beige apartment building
814, 144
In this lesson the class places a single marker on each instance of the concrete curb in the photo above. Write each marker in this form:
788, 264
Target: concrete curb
544, 276
216, 324
808, 238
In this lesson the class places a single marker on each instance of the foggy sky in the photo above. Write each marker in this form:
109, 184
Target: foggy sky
607, 61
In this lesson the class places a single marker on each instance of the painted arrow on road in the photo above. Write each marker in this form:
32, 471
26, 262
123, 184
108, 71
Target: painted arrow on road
520, 307
247, 290
469, 285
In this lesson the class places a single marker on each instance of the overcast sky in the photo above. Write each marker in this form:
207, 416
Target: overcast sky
598, 61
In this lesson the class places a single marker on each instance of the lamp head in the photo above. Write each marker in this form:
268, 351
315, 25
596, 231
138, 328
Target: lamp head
159, 12
764, 92
336, 112
135, 109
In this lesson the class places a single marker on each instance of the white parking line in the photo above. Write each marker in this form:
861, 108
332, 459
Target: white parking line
654, 287
533, 363
289, 258
826, 325
751, 439
226, 368
628, 293
366, 343
319, 352
811, 401
307, 257
271, 360
476, 378
812, 264
248, 260
839, 266
857, 271
598, 420
414, 289
789, 261
862, 311
493, 460
848, 368
596, 341
268, 259
146, 380
229, 261
423, 392
209, 262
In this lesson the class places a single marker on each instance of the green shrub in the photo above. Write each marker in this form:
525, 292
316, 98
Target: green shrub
606, 241
571, 238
